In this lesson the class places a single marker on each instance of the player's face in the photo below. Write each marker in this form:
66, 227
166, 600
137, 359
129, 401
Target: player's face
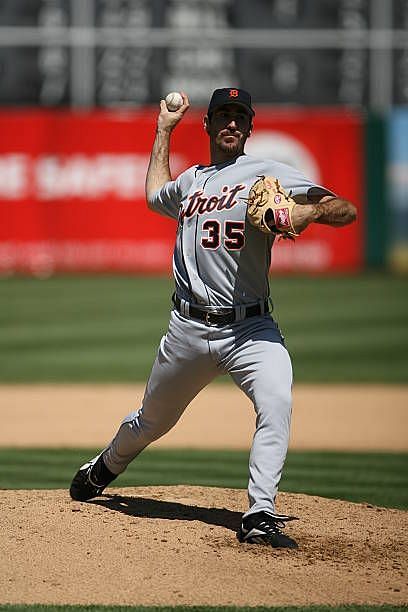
228, 128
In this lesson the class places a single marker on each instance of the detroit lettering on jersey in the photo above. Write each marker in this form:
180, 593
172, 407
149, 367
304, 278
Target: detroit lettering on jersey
199, 204
219, 259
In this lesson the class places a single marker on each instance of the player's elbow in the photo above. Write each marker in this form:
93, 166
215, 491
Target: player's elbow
346, 214
350, 213
150, 193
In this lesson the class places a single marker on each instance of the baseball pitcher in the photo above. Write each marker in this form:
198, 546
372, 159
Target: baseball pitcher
228, 214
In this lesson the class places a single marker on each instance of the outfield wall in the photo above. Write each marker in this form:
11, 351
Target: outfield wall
72, 187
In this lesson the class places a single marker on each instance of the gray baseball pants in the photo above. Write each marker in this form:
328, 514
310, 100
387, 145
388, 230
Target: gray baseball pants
191, 355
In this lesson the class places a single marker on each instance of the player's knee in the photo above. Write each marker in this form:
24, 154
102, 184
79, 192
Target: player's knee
150, 430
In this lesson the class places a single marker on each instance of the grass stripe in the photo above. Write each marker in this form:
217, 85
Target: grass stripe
376, 478
107, 328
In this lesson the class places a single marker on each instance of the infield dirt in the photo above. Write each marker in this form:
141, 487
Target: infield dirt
330, 417
177, 545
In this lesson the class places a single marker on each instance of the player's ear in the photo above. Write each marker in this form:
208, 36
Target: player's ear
250, 130
206, 124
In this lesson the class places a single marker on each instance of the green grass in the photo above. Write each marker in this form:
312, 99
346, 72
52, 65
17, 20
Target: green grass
376, 478
107, 328
349, 608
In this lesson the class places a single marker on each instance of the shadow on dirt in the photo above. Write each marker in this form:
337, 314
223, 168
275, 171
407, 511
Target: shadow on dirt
153, 508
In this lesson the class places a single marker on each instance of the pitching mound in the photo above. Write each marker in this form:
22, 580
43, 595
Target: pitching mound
177, 545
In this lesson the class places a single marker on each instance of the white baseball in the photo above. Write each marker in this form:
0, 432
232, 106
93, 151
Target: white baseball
174, 101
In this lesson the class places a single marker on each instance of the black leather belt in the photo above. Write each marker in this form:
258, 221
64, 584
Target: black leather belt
220, 318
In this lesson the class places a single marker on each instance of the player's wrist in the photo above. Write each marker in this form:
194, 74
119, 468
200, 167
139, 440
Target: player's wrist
315, 212
164, 130
303, 215
167, 122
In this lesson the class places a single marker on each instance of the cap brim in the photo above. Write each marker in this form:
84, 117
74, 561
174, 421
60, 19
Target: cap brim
248, 109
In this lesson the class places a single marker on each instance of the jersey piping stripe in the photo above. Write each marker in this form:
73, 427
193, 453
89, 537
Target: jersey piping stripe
206, 181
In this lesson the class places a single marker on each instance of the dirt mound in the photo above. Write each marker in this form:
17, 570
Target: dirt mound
177, 545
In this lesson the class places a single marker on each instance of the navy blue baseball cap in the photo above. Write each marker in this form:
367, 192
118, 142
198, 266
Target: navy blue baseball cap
230, 95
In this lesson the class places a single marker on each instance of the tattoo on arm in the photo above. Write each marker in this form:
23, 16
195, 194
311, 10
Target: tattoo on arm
158, 172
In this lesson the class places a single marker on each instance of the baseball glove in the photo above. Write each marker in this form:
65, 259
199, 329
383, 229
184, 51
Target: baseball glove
270, 208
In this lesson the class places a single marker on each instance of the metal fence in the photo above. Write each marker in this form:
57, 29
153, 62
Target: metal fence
113, 53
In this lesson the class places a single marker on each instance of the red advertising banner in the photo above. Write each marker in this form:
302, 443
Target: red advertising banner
72, 187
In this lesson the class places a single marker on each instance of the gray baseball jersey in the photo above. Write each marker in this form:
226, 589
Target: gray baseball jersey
219, 258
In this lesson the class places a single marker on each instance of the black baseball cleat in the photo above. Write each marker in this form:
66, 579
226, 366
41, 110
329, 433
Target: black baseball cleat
264, 528
91, 479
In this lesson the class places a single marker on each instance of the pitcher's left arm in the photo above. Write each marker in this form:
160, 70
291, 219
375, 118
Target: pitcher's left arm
329, 210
